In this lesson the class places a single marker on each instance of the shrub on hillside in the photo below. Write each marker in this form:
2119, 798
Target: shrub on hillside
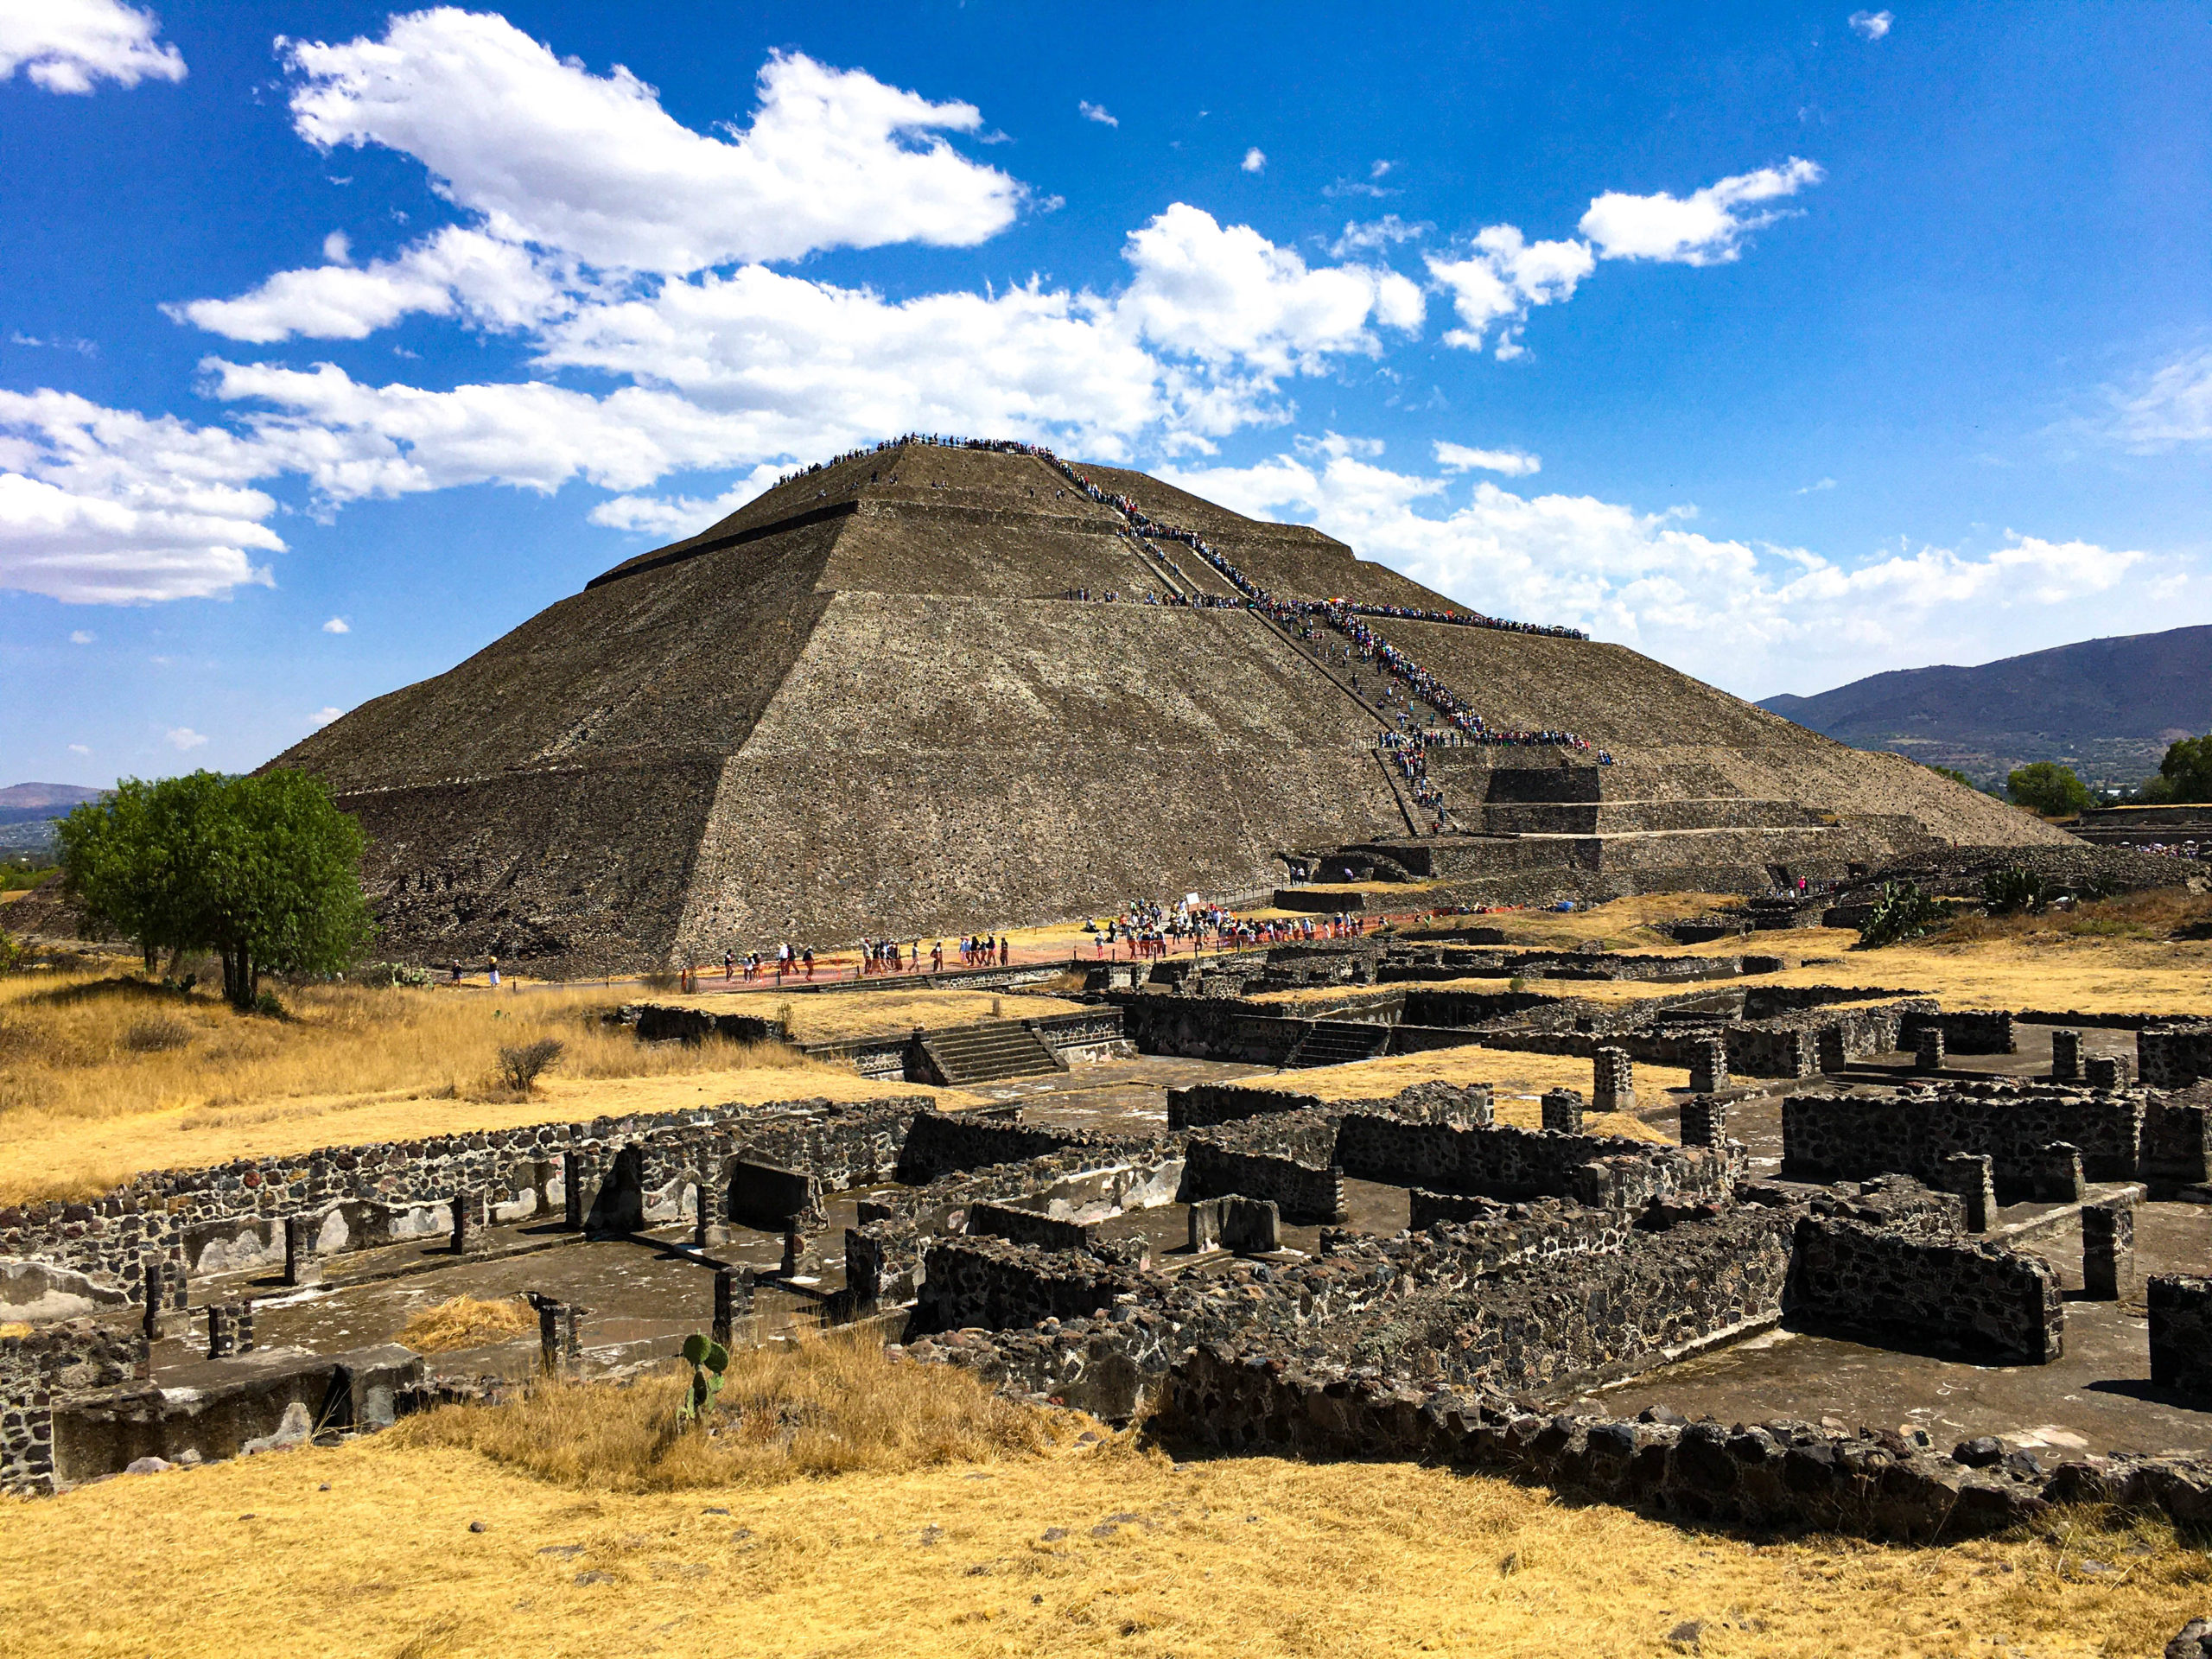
2049, 788
383, 976
1904, 913
2184, 776
521, 1066
2008, 892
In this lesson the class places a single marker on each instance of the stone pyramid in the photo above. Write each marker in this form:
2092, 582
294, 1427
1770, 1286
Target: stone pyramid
869, 702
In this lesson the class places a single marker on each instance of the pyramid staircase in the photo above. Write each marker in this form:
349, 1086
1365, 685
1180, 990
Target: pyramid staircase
994, 1052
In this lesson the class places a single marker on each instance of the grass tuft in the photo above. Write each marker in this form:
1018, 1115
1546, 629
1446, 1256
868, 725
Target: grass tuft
830, 1405
466, 1322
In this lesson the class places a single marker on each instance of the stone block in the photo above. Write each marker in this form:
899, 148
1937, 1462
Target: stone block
468, 1221
579, 1184
1249, 1226
1709, 1066
2108, 1250
1612, 1081
2181, 1334
1705, 1123
1928, 1049
1562, 1110
302, 1262
560, 1341
767, 1197
2065, 1057
733, 1300
2060, 1179
1969, 1174
2105, 1072
1205, 1226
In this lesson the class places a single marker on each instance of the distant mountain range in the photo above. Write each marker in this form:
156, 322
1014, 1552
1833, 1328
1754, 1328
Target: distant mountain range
2108, 708
27, 810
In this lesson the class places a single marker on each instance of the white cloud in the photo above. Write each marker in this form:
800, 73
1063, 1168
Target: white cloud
66, 45
1816, 487
1514, 463
742, 370
184, 737
82, 348
1091, 112
337, 625
674, 516
591, 166
1375, 235
2172, 409
1219, 293
1256, 160
1501, 277
494, 284
1744, 617
80, 637
1871, 24
101, 505
620, 245
79, 748
323, 717
1702, 229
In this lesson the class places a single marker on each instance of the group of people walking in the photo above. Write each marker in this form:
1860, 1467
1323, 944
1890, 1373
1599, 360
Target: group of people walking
889, 956
784, 963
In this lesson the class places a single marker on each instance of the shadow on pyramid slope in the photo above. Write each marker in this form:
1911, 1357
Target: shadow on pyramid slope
869, 702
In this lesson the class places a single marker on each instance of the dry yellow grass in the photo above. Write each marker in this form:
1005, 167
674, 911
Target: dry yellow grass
466, 1322
100, 1078
900, 1006
2092, 975
1254, 1557
42, 1157
820, 1405
1514, 1079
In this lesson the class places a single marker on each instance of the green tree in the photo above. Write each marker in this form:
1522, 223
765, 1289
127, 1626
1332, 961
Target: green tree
1955, 776
2045, 787
265, 871
2186, 773
134, 861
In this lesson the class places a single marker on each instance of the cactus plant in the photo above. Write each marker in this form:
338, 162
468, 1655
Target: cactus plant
708, 1359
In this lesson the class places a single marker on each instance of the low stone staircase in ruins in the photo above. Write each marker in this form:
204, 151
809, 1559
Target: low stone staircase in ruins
993, 1052
1337, 1043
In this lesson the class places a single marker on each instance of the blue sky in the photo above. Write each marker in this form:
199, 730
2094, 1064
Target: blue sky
1785, 343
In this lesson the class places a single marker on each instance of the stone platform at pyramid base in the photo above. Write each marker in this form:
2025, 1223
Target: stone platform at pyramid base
1540, 868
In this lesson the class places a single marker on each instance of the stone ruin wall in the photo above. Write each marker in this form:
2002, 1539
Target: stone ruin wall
1597, 1316
1828, 1137
232, 1216
73, 1355
2180, 1307
1954, 1292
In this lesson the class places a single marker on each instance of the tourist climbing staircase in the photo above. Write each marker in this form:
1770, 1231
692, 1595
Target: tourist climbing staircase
994, 1052
1337, 1043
